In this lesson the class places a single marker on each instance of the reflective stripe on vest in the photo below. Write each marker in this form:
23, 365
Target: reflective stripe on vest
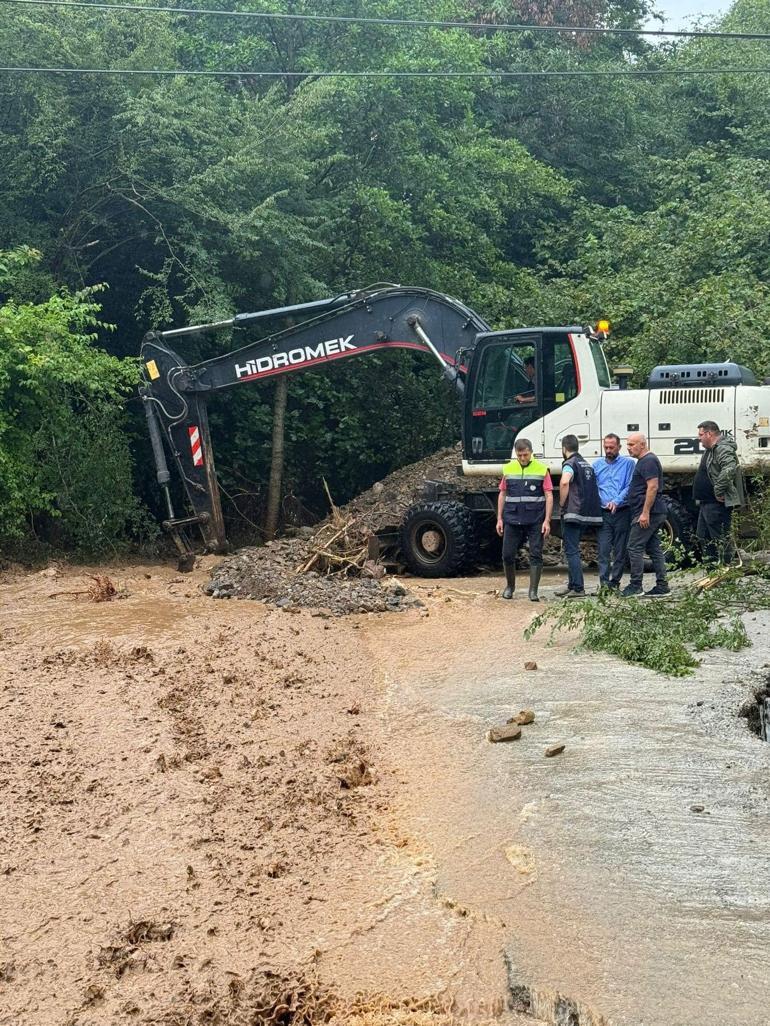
524, 495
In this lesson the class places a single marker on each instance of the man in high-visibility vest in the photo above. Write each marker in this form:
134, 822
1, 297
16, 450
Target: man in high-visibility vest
524, 509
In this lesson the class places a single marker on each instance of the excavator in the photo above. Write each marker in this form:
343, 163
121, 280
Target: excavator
542, 382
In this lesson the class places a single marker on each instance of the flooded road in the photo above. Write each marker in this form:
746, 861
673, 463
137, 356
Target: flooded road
197, 791
51, 608
631, 871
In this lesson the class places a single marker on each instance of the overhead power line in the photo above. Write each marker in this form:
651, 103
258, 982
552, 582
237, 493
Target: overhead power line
398, 22
246, 73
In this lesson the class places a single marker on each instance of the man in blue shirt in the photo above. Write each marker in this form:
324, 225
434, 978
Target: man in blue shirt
613, 476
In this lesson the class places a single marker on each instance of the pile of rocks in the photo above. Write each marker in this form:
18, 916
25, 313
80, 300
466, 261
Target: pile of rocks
328, 567
270, 573
384, 504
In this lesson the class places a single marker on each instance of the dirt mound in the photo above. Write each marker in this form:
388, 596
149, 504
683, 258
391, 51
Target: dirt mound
333, 566
384, 504
272, 573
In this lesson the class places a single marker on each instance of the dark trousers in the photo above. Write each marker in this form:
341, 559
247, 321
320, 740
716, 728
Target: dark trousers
714, 531
514, 536
570, 536
613, 542
645, 539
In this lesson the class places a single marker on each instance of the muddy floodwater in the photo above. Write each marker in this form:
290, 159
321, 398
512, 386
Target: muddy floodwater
630, 871
197, 791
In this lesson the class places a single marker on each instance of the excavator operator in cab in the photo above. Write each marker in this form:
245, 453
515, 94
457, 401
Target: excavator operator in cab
528, 395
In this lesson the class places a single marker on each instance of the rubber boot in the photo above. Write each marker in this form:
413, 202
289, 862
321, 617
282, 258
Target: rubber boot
534, 582
510, 580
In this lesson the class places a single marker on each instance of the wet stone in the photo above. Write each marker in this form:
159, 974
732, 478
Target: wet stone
510, 732
552, 750
524, 717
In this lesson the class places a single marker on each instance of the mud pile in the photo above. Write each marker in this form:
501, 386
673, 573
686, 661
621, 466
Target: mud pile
384, 504
284, 572
202, 823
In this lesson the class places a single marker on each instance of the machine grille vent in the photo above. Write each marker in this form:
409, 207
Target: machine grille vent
678, 396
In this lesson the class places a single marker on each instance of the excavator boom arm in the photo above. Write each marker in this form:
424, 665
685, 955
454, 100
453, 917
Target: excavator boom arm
176, 394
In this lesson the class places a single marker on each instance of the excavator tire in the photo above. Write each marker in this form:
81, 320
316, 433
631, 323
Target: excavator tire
438, 539
678, 532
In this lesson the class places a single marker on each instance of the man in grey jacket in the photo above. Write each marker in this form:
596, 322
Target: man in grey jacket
718, 490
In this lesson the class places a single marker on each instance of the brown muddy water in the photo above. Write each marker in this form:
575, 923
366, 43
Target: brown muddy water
630, 873
196, 793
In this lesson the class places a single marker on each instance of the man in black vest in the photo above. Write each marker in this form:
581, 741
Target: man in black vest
580, 508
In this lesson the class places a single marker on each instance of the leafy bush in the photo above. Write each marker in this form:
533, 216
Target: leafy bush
65, 468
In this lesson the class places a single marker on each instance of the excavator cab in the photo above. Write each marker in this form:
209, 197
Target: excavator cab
503, 398
516, 378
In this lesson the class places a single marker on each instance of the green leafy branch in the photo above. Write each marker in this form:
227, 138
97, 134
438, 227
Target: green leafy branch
664, 634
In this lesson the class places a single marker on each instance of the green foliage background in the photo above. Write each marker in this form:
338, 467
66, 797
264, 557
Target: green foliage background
533, 201
65, 469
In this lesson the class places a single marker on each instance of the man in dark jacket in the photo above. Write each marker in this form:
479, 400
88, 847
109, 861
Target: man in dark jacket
718, 490
580, 508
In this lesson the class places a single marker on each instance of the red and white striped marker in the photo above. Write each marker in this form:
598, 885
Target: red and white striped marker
195, 445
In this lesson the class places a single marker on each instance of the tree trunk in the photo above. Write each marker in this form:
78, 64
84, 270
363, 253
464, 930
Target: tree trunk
276, 461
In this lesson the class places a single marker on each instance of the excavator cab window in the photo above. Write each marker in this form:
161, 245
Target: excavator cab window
505, 397
600, 363
560, 381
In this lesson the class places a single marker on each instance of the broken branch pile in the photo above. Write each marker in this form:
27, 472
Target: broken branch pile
101, 589
342, 546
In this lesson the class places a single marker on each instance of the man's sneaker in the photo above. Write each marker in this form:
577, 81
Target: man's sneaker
574, 594
631, 591
658, 591
563, 591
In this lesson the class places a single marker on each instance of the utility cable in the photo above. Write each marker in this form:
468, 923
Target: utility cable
422, 23
246, 73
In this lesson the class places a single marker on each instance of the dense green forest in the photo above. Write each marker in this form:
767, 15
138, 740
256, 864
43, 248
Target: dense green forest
138, 201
